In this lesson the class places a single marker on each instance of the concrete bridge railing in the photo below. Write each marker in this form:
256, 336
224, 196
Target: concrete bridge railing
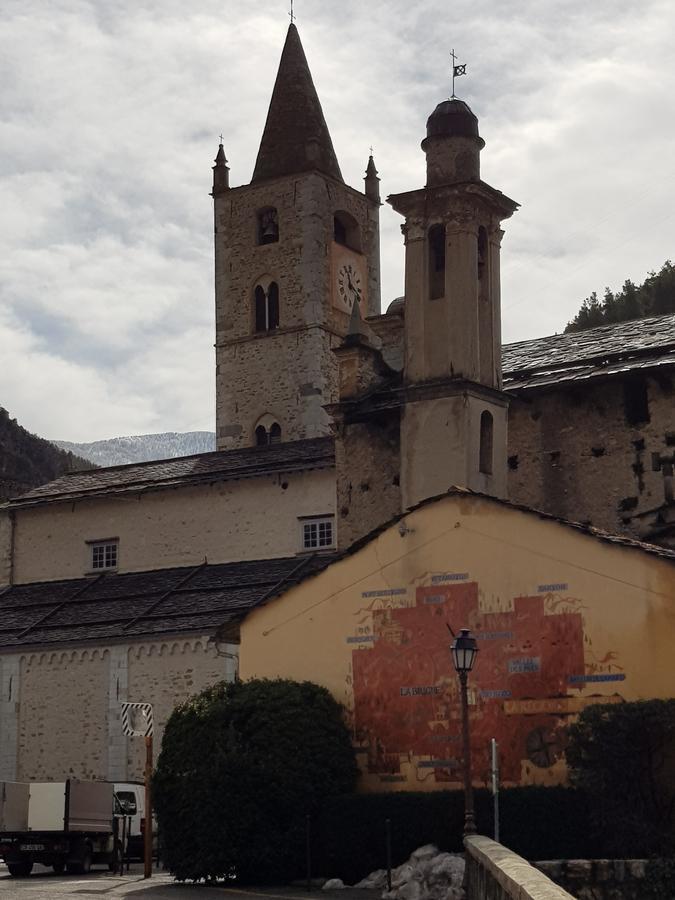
496, 873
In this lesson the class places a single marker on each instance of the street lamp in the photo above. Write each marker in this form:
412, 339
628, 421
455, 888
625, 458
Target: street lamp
464, 651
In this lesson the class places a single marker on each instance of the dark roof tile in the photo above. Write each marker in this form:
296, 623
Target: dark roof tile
167, 601
577, 356
296, 138
204, 468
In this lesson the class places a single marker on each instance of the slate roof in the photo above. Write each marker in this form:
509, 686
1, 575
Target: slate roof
110, 607
296, 137
578, 356
203, 468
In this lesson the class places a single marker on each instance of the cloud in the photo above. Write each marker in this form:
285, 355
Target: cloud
110, 116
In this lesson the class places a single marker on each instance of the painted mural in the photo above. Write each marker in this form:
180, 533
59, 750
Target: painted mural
533, 664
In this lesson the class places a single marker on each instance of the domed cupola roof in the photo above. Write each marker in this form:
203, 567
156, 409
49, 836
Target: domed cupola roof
452, 118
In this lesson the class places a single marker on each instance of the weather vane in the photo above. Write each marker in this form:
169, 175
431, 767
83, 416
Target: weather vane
292, 14
457, 70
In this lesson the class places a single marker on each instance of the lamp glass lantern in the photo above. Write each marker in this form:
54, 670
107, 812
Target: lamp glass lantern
464, 651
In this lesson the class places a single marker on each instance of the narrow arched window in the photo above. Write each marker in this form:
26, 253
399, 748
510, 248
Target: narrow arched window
436, 244
346, 231
482, 252
275, 433
266, 306
273, 306
260, 309
261, 436
267, 225
485, 450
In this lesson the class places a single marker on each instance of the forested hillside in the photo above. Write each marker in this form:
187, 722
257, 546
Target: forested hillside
27, 460
654, 297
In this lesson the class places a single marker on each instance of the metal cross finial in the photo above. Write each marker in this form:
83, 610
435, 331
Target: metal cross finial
221, 138
292, 14
371, 151
457, 70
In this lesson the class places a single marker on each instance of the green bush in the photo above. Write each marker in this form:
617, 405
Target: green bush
623, 757
241, 767
538, 822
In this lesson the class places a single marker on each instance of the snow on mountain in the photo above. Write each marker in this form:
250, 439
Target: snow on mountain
142, 447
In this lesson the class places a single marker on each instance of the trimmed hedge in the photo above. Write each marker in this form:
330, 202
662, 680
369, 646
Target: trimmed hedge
241, 767
623, 757
348, 837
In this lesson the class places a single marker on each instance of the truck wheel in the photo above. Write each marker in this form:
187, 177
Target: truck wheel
59, 867
20, 869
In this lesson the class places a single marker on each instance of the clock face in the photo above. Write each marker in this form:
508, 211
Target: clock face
349, 285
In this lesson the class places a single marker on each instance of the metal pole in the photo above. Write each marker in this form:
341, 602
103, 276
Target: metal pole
308, 850
495, 785
148, 808
469, 820
387, 832
121, 844
126, 849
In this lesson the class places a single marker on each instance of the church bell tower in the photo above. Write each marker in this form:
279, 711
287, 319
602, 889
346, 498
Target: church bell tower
294, 250
453, 424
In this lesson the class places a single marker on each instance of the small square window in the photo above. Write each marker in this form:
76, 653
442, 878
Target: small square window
104, 555
317, 534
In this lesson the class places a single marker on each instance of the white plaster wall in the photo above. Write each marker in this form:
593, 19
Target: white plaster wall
224, 522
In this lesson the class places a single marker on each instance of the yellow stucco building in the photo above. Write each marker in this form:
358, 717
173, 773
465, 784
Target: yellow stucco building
565, 617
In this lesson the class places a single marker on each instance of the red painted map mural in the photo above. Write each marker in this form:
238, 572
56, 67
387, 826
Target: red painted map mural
406, 692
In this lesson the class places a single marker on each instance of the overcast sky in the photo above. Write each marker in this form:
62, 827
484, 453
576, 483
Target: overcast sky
110, 120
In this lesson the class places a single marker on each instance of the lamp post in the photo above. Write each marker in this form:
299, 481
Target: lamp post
464, 652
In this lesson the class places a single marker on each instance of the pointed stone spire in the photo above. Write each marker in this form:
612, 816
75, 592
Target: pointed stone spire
296, 137
221, 173
371, 180
357, 333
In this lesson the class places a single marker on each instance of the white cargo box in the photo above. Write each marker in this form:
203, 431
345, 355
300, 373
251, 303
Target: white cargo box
13, 806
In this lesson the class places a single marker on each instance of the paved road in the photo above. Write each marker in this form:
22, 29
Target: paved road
44, 885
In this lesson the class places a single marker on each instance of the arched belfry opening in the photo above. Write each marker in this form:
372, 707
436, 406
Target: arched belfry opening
436, 245
267, 225
267, 431
486, 448
346, 230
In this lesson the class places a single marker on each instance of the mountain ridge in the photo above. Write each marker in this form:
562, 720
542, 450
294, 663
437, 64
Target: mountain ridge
137, 448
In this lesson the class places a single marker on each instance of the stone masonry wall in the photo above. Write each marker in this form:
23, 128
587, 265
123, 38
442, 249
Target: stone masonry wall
493, 872
296, 359
170, 672
254, 518
5, 547
63, 716
368, 472
584, 452
59, 712
604, 879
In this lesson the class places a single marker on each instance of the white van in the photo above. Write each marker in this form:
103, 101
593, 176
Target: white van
129, 803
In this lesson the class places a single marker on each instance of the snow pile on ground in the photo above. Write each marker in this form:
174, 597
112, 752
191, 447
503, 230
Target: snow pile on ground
427, 875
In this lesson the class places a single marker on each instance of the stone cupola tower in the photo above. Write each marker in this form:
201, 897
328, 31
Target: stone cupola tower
294, 250
453, 424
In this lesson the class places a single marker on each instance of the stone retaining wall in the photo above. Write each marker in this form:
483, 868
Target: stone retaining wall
600, 879
495, 873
